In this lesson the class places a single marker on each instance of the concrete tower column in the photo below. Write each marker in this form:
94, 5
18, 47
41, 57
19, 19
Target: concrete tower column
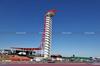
48, 27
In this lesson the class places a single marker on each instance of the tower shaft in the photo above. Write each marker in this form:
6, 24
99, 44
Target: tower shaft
46, 36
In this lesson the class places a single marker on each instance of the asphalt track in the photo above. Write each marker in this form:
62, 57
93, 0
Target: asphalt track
50, 64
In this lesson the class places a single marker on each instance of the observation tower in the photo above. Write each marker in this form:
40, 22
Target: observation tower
46, 36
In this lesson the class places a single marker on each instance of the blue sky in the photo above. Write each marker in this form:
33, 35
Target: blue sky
72, 16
